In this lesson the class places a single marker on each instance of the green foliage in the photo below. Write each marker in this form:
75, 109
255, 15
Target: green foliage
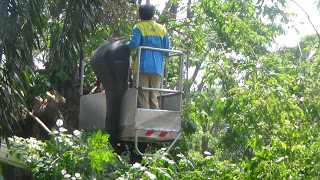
162, 166
70, 25
97, 145
40, 84
254, 106
66, 156
18, 37
89, 76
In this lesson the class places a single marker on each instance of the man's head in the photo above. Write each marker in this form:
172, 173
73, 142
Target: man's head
146, 12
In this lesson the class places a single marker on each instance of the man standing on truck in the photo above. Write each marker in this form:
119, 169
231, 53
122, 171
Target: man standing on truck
151, 34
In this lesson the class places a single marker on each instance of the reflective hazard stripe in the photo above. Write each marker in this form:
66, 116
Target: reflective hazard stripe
149, 133
163, 134
159, 134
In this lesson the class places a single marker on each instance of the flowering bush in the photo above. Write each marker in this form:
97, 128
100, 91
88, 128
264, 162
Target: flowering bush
66, 156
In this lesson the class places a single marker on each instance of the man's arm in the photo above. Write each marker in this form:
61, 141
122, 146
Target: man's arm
135, 38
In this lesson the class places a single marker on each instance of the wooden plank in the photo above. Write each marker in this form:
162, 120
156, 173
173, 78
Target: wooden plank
8, 159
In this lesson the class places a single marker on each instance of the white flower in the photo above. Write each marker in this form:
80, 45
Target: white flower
62, 129
59, 122
67, 176
58, 139
77, 175
136, 165
150, 175
207, 153
179, 155
63, 172
69, 142
280, 159
76, 132
171, 162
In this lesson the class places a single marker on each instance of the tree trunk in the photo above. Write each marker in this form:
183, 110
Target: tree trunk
174, 11
195, 73
189, 15
205, 140
166, 7
204, 144
200, 85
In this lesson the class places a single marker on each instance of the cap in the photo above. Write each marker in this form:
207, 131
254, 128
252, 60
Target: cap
146, 12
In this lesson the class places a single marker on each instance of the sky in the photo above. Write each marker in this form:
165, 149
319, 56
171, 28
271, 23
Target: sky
300, 21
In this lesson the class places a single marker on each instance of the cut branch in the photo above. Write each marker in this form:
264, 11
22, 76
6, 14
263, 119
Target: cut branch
36, 118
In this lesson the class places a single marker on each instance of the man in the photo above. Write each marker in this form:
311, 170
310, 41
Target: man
151, 34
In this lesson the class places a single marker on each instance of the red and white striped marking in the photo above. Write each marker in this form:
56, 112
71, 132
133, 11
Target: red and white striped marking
156, 133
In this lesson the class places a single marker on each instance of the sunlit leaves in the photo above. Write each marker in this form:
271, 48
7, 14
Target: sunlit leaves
99, 155
66, 156
263, 104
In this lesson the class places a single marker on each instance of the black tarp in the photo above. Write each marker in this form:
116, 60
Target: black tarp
110, 62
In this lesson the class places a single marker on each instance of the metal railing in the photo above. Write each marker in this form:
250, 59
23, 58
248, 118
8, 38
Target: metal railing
172, 53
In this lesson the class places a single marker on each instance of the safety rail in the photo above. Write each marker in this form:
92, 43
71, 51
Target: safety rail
179, 89
158, 89
173, 53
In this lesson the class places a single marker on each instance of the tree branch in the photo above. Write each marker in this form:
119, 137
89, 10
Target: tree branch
200, 85
196, 71
189, 14
166, 8
36, 118
308, 19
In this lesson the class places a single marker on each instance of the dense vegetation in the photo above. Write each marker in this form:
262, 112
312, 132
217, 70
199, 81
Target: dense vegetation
252, 113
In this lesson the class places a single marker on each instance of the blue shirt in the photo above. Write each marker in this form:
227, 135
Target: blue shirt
151, 34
